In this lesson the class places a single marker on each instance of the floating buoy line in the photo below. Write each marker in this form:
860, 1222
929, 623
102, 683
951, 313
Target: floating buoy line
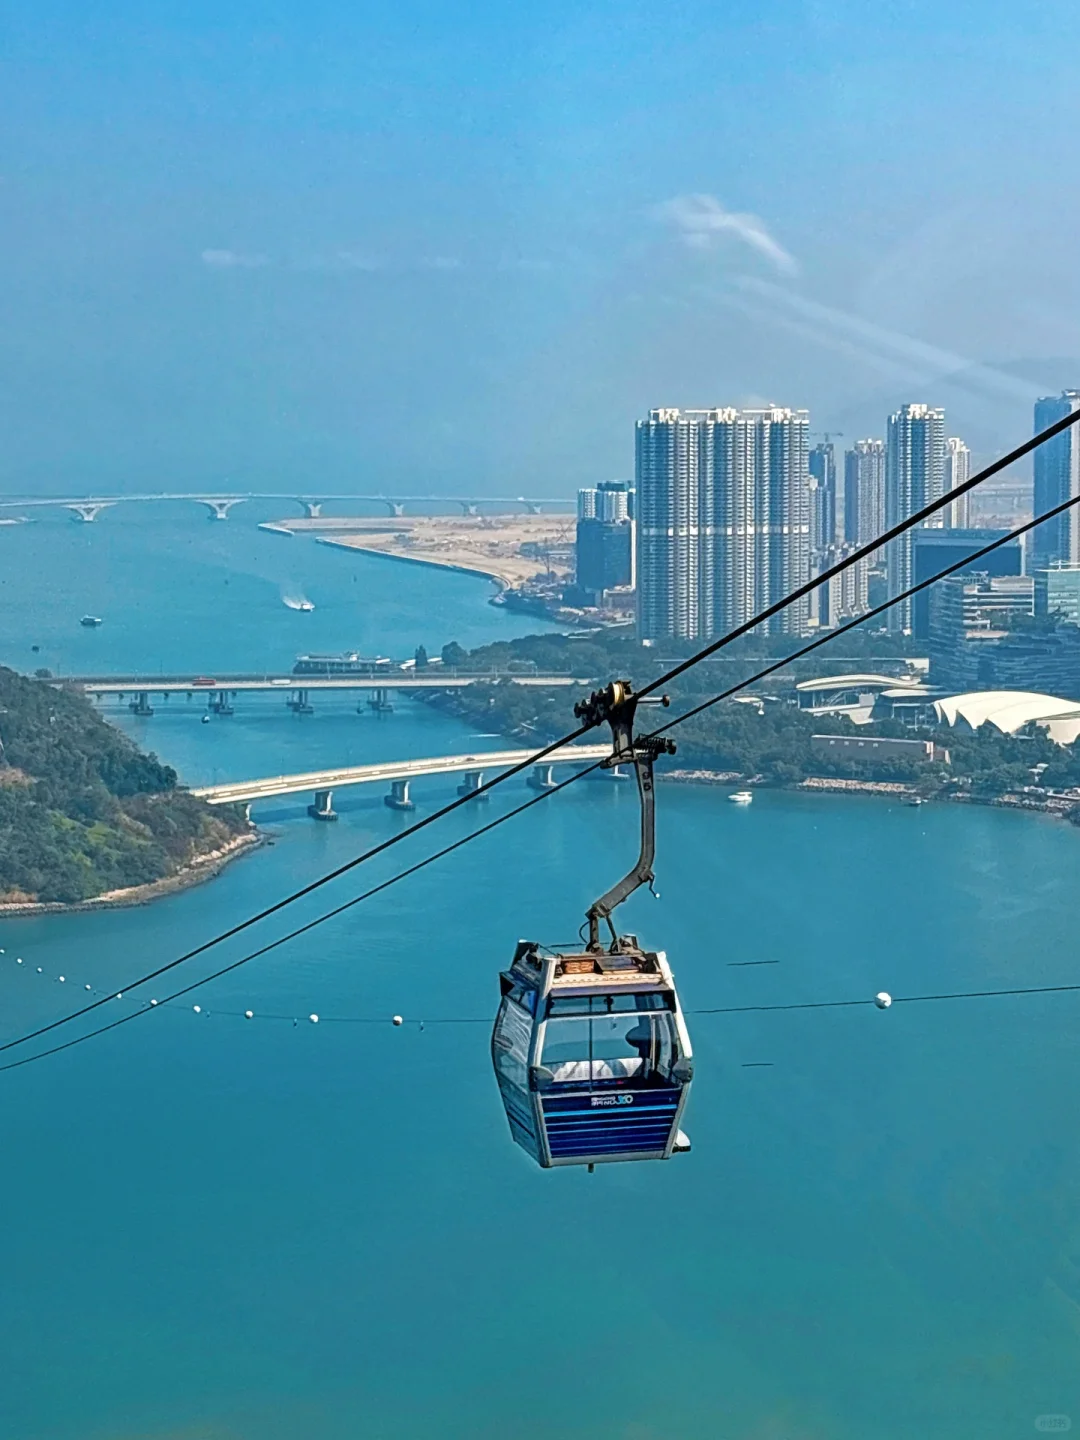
882, 1000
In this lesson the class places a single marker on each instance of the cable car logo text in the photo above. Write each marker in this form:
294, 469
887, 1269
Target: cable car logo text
602, 1100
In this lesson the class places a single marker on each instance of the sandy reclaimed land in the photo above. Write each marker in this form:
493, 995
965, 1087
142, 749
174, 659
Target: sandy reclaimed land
488, 545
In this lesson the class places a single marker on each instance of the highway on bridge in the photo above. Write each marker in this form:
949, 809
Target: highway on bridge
240, 791
101, 685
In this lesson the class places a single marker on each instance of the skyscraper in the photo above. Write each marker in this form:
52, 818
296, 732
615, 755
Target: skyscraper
914, 476
829, 506
612, 501
723, 519
605, 550
957, 470
1057, 477
864, 491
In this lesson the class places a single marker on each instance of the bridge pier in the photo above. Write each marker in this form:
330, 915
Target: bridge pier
323, 807
609, 772
311, 508
299, 703
470, 784
220, 703
398, 799
219, 509
88, 510
531, 508
542, 778
141, 704
468, 507
380, 702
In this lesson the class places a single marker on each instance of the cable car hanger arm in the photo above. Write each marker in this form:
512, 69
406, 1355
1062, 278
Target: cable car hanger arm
617, 705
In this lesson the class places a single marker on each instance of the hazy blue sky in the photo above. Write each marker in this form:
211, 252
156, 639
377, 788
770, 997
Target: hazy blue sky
439, 246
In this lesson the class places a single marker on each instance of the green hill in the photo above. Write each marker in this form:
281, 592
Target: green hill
82, 809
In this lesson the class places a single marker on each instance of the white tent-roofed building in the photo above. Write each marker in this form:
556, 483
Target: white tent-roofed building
1010, 710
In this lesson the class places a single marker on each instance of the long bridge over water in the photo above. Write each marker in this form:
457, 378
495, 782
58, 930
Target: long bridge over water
322, 783
220, 691
87, 508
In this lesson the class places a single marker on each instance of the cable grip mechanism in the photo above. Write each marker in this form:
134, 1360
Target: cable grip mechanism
616, 705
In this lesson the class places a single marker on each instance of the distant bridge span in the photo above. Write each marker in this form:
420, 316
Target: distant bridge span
120, 685
218, 503
398, 772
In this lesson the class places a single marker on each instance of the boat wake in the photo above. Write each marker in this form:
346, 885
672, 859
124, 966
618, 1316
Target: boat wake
296, 600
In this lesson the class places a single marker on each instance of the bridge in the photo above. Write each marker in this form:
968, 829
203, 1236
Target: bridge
399, 773
220, 691
87, 508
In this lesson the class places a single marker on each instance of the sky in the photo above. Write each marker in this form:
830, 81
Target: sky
438, 248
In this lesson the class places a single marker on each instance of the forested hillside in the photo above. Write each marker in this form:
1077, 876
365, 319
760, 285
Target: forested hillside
82, 809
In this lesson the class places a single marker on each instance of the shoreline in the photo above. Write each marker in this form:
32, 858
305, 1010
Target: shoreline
1059, 807
195, 872
500, 581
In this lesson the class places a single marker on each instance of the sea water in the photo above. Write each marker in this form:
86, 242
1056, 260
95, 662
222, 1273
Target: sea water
214, 1228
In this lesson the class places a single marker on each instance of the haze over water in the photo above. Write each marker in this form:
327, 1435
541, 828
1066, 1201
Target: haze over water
215, 1229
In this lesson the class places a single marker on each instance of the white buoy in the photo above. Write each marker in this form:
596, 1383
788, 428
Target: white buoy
19, 960
61, 979
398, 1020
120, 994
249, 1014
86, 987
40, 971
883, 1000
153, 1002
197, 1009
314, 1019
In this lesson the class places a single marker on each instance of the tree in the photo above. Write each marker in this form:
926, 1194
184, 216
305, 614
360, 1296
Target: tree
421, 657
455, 655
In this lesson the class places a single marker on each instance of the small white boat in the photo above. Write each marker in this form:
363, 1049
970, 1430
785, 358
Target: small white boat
741, 797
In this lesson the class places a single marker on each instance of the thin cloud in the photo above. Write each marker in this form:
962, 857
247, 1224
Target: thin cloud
702, 223
233, 260
931, 360
441, 262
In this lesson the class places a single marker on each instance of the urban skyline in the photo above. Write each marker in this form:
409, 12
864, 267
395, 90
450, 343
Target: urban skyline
734, 509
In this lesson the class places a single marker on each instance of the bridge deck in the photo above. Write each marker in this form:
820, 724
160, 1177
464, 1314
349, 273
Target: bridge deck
238, 791
396, 680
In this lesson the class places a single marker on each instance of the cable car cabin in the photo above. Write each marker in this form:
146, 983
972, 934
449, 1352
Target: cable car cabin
592, 1055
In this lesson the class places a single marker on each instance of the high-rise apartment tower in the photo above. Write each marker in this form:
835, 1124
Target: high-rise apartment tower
864, 491
914, 476
1057, 477
957, 470
723, 526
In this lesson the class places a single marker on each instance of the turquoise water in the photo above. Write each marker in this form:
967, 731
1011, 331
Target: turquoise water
178, 592
215, 1229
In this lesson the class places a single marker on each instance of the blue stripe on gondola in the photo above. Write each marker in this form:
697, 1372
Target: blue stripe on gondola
585, 1130
601, 1117
576, 1127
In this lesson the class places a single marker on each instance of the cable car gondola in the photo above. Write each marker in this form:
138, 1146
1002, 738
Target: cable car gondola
591, 1052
